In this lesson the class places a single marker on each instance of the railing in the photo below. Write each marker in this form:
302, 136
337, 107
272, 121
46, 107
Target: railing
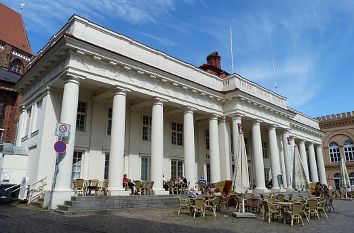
36, 190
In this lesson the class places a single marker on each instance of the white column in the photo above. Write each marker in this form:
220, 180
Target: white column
68, 115
292, 158
214, 149
157, 145
189, 146
224, 145
304, 158
313, 164
258, 156
281, 148
321, 166
287, 159
21, 125
116, 153
274, 157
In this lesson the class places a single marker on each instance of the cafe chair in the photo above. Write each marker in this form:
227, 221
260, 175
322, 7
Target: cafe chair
79, 187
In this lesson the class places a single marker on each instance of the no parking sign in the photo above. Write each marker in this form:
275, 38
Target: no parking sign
60, 146
62, 130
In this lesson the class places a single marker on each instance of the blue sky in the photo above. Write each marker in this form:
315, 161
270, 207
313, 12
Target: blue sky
311, 41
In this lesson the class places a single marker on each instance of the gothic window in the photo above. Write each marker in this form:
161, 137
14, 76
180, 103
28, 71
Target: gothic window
334, 153
349, 150
16, 66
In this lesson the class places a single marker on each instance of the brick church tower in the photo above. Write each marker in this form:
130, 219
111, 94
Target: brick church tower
15, 54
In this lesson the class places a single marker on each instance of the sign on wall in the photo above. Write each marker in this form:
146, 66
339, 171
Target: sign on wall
62, 130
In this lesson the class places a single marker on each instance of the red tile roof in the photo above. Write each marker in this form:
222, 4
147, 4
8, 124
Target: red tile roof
12, 29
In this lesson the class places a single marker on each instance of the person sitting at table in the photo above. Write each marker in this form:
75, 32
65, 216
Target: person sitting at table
185, 180
193, 192
128, 183
202, 180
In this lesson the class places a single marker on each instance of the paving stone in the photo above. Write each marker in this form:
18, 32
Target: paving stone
26, 219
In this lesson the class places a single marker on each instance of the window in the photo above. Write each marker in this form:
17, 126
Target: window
177, 132
145, 168
336, 179
349, 150
2, 110
81, 116
176, 168
208, 171
77, 158
334, 152
1, 134
351, 178
146, 128
28, 122
265, 150
16, 66
109, 121
106, 165
207, 139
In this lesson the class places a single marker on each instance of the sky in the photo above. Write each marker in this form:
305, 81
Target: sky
310, 41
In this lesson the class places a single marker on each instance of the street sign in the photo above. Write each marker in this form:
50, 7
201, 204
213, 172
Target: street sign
60, 146
62, 130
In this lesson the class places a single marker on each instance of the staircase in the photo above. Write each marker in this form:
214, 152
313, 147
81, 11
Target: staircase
90, 205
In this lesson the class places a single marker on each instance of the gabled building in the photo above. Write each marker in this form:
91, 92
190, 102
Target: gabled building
15, 53
338, 145
136, 110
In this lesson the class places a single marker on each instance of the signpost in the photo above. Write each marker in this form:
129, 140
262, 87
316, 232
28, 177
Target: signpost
62, 130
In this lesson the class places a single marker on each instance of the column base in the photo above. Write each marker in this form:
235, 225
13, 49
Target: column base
290, 189
161, 192
275, 189
261, 190
118, 192
59, 196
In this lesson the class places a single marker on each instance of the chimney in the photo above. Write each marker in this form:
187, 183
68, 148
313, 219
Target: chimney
214, 59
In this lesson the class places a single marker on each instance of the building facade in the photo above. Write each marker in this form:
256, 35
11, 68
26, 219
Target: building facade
15, 53
136, 110
338, 145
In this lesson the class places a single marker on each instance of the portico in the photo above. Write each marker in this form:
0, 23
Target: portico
139, 111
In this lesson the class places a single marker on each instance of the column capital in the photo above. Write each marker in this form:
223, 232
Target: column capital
222, 119
159, 101
72, 79
273, 127
118, 90
257, 121
214, 116
189, 109
237, 116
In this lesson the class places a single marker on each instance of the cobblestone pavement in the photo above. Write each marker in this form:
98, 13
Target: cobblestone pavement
19, 219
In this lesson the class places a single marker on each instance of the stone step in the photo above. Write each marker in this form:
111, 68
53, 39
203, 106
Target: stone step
88, 205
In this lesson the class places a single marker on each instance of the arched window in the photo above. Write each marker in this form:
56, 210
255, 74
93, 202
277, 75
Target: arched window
16, 66
349, 150
336, 178
351, 178
334, 152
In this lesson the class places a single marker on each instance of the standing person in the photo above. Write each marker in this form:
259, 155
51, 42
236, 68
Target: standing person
128, 183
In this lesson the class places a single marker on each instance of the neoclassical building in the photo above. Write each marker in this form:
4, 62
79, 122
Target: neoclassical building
136, 110
338, 145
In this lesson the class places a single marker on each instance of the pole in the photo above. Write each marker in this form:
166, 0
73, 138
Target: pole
56, 170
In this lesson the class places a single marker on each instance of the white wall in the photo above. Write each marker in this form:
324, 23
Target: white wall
13, 166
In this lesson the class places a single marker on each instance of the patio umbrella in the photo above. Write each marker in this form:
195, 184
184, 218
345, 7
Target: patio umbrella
299, 178
344, 182
240, 180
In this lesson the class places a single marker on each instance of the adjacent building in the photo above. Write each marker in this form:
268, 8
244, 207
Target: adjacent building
338, 145
15, 53
136, 110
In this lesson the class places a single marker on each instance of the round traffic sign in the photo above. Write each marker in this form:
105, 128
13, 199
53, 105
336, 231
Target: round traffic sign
63, 128
60, 146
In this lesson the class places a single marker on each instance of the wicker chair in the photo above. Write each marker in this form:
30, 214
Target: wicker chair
210, 204
198, 206
312, 207
295, 212
321, 206
270, 209
79, 187
184, 203
103, 187
138, 186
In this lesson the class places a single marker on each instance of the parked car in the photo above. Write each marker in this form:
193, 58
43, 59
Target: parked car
7, 193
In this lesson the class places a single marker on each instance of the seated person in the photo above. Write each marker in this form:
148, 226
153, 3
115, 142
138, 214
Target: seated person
128, 183
185, 180
202, 180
